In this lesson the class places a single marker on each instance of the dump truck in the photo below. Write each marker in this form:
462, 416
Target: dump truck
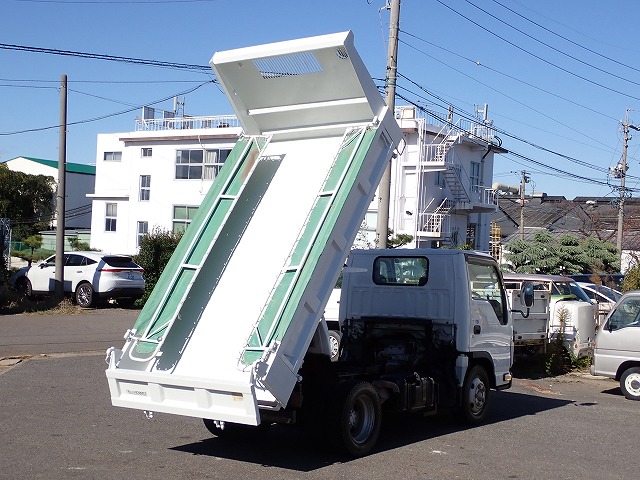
233, 332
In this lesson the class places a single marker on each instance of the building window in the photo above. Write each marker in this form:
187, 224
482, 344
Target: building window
112, 156
182, 216
110, 217
200, 164
475, 177
213, 161
440, 179
145, 188
143, 229
189, 164
146, 152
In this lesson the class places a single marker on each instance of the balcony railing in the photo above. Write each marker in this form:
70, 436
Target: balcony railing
186, 123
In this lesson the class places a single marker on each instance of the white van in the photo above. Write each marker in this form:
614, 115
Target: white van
617, 350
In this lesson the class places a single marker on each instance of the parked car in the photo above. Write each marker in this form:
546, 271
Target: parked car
88, 277
617, 346
612, 280
602, 296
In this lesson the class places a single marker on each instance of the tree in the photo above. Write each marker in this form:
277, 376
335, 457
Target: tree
156, 249
27, 200
399, 240
563, 256
34, 242
77, 245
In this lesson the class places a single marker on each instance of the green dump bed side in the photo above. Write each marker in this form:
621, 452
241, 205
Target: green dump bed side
226, 328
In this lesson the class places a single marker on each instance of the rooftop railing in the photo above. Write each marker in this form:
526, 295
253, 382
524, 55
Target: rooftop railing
186, 123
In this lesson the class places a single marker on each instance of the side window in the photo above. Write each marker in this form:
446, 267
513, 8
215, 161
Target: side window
485, 284
410, 271
626, 314
74, 260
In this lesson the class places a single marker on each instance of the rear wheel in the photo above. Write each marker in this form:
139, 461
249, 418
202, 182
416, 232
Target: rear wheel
85, 296
475, 395
630, 383
356, 417
235, 431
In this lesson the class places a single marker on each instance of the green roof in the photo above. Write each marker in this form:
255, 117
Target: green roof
71, 167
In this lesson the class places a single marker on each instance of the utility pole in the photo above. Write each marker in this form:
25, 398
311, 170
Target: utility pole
621, 170
384, 189
523, 181
60, 196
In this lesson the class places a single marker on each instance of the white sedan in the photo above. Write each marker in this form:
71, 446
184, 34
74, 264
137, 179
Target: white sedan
88, 277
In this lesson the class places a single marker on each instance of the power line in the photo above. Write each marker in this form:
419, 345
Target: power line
511, 152
551, 46
102, 117
565, 38
112, 58
515, 137
537, 56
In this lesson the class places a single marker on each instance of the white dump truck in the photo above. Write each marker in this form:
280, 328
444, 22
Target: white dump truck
560, 306
234, 333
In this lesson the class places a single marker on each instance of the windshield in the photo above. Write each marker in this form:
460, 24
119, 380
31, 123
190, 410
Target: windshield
610, 293
569, 288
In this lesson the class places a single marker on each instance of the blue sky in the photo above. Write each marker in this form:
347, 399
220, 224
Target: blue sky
558, 76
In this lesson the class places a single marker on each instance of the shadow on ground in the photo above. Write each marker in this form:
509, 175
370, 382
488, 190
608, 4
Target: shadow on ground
288, 447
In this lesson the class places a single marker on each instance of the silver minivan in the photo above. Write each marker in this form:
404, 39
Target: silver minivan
617, 350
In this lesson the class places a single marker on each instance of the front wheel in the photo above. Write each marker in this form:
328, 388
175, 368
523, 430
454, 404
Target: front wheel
475, 395
85, 296
356, 418
630, 383
334, 345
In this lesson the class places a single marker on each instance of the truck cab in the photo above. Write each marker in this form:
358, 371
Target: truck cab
569, 311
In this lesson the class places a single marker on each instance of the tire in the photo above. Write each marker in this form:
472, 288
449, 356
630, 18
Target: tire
630, 383
474, 400
334, 345
126, 302
85, 296
236, 431
23, 287
355, 418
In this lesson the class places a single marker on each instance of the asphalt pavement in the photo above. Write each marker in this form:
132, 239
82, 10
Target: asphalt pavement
57, 422
44, 333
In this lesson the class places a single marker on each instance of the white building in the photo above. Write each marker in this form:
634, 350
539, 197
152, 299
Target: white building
79, 181
155, 176
158, 175
441, 182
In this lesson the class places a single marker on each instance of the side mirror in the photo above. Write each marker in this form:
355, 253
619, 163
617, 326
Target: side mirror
526, 294
526, 298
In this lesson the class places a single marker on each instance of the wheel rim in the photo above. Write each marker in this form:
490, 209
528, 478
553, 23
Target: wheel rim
84, 295
477, 396
362, 419
632, 384
334, 345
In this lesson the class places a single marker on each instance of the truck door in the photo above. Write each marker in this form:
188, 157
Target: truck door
619, 339
491, 332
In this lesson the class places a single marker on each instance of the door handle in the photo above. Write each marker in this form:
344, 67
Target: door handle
476, 329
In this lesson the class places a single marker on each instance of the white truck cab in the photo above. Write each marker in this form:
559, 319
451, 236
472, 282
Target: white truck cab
568, 310
617, 347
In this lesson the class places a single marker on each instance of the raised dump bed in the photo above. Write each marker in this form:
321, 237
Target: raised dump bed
227, 327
